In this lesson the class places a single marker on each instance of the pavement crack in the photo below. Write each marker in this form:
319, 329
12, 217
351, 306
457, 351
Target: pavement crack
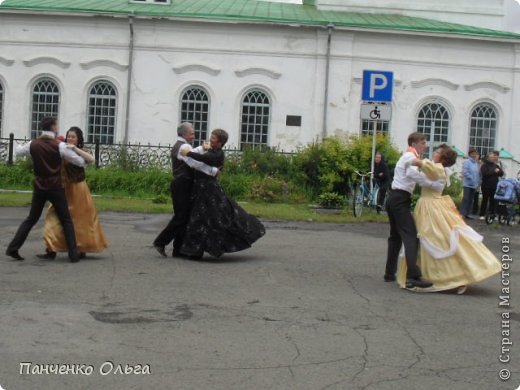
350, 281
365, 354
289, 338
419, 347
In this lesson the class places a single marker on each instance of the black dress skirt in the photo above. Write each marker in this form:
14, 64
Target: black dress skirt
217, 224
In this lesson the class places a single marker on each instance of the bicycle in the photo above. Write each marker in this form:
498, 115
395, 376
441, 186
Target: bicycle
364, 197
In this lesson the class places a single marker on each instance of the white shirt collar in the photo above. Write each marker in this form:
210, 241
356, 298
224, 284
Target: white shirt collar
51, 134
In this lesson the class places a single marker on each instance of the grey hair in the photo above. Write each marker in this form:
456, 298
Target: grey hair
183, 128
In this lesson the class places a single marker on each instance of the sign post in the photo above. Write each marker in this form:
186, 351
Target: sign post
377, 88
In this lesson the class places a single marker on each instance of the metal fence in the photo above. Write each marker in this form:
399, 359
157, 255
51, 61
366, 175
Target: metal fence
129, 156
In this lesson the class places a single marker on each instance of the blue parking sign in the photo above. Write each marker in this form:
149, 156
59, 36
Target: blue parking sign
377, 86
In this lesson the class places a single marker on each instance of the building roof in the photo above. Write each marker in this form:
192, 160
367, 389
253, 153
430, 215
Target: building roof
459, 152
254, 11
505, 154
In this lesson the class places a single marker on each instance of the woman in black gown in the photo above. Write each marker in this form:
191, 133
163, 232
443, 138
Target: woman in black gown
217, 224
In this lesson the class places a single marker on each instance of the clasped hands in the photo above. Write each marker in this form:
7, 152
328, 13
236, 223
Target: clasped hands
185, 151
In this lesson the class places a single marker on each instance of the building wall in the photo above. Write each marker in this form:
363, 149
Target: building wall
228, 59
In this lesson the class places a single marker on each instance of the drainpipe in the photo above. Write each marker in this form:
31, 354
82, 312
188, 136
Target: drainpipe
330, 27
129, 76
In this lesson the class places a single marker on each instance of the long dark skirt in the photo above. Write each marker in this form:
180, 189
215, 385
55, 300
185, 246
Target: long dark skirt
218, 224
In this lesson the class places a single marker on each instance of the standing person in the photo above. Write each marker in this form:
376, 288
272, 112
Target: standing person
451, 253
47, 154
382, 179
470, 182
89, 233
402, 225
491, 172
181, 190
217, 224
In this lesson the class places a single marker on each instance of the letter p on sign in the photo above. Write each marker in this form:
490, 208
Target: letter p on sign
377, 86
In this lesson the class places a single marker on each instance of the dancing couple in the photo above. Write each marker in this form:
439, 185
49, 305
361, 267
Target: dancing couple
71, 224
441, 251
204, 219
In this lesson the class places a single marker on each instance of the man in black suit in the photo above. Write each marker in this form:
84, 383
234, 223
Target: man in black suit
47, 154
180, 188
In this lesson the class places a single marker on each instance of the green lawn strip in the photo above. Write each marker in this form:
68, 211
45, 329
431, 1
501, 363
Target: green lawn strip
276, 211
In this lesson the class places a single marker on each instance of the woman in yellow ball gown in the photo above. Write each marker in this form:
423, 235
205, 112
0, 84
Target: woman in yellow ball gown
451, 253
89, 233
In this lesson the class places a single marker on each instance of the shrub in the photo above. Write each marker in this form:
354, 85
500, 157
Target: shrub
455, 189
237, 186
142, 183
260, 161
324, 166
18, 176
329, 166
269, 189
332, 200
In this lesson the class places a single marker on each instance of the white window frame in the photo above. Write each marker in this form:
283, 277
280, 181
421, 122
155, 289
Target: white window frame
93, 132
254, 143
200, 125
433, 126
483, 144
35, 129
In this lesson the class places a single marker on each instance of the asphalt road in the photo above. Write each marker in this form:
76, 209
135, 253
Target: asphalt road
305, 308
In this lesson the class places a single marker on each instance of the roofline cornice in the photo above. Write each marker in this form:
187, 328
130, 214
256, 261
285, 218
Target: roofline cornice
287, 23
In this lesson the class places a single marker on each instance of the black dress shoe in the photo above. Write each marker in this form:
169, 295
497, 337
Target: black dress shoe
48, 255
160, 249
82, 255
418, 283
14, 254
74, 259
389, 278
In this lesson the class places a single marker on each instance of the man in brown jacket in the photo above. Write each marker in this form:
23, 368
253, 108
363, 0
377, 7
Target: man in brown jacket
47, 153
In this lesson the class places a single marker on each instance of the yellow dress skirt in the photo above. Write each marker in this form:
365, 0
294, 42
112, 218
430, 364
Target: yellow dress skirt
89, 233
451, 253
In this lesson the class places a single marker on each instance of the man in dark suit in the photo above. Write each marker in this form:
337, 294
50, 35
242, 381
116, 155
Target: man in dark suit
181, 190
47, 154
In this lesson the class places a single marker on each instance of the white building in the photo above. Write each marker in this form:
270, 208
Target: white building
131, 71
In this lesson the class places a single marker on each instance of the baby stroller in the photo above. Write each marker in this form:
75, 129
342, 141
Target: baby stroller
506, 202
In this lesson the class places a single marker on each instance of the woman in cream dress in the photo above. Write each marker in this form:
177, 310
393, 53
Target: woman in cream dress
451, 254
89, 233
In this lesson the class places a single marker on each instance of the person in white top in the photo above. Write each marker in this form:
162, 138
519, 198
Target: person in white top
47, 153
181, 186
402, 224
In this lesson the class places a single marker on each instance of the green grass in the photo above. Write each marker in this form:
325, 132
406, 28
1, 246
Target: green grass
278, 211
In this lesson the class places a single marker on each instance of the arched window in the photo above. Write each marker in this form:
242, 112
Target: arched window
1, 106
195, 109
254, 126
483, 128
102, 104
45, 102
434, 121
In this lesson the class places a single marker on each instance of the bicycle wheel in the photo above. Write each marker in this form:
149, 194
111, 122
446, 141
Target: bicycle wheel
357, 204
